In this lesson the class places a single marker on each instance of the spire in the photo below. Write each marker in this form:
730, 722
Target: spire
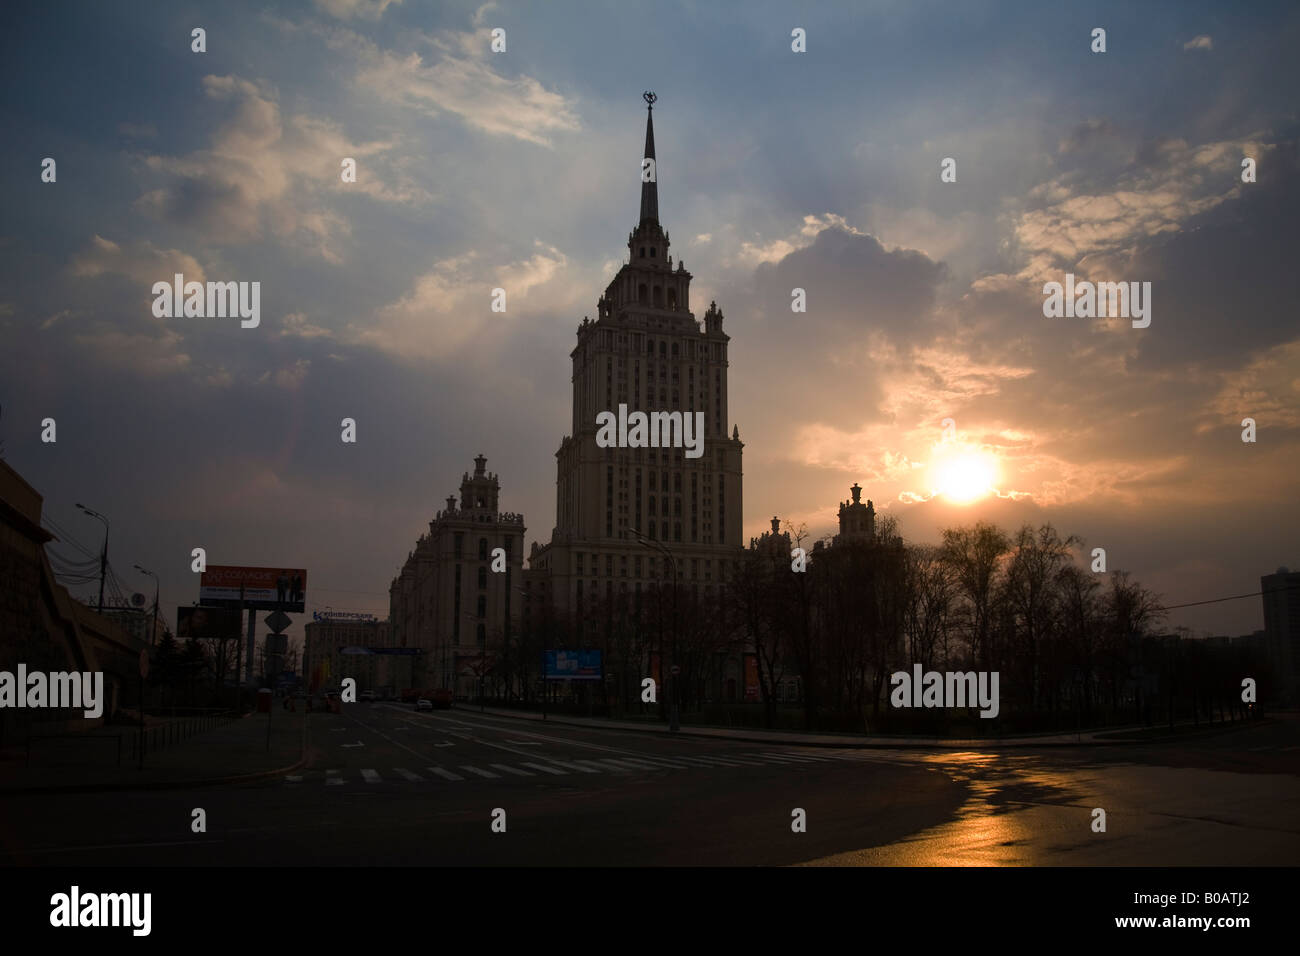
650, 190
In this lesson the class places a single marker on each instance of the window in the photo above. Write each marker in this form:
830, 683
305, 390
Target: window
460, 542
643, 252
642, 293
481, 635
482, 578
482, 549
482, 606
652, 252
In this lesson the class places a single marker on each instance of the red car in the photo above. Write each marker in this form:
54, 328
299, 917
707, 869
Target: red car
441, 698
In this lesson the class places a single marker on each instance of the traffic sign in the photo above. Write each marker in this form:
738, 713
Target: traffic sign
144, 663
277, 621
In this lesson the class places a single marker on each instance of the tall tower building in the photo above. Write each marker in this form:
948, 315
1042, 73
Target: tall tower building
448, 601
626, 515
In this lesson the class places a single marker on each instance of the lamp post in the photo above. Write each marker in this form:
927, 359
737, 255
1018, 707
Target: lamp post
673, 723
157, 588
103, 555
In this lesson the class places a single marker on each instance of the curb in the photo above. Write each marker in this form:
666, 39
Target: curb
169, 784
849, 744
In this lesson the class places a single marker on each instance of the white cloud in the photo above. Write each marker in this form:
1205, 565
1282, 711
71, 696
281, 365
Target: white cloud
1202, 42
361, 9
140, 261
264, 173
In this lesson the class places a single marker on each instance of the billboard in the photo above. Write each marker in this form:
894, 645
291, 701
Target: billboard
344, 616
264, 589
573, 665
206, 623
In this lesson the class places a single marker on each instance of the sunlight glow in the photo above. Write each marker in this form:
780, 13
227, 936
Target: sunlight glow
962, 473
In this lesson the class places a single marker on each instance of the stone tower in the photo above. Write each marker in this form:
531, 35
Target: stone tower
618, 509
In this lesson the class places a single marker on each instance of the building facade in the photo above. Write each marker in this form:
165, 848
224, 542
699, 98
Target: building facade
326, 661
627, 516
1282, 628
45, 628
449, 601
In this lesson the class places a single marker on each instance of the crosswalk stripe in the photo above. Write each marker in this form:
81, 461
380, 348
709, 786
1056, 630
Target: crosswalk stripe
297, 779
776, 758
748, 761
804, 757
372, 776
481, 773
515, 770
617, 764
644, 764
445, 774
572, 766
725, 761
676, 765
332, 779
407, 775
544, 768
597, 767
694, 761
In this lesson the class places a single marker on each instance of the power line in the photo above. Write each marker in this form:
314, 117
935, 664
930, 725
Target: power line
1234, 597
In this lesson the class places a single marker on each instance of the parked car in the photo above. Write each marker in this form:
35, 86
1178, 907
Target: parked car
442, 699
367, 696
424, 704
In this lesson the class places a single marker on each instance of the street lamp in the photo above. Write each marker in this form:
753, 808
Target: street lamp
157, 587
103, 555
673, 724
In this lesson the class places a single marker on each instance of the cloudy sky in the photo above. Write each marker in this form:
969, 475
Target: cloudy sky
520, 169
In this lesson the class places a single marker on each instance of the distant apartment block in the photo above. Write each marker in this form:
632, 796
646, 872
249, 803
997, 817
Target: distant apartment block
1282, 628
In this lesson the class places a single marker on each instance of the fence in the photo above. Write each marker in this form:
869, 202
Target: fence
128, 740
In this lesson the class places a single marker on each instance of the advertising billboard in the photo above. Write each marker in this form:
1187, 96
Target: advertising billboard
206, 623
264, 589
573, 665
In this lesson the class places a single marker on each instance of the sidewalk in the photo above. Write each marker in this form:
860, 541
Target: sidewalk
230, 753
1110, 736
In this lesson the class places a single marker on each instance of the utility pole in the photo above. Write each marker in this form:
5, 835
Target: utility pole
103, 555
157, 588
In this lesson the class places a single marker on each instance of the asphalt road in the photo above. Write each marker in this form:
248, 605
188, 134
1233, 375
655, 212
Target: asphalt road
389, 786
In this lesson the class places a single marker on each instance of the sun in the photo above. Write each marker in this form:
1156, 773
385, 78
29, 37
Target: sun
962, 474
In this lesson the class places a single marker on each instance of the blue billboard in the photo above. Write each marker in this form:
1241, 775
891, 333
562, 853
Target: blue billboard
573, 665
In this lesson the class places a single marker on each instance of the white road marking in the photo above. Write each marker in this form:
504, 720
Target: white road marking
332, 779
481, 773
407, 775
372, 776
515, 770
546, 769
445, 774
572, 766
297, 779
